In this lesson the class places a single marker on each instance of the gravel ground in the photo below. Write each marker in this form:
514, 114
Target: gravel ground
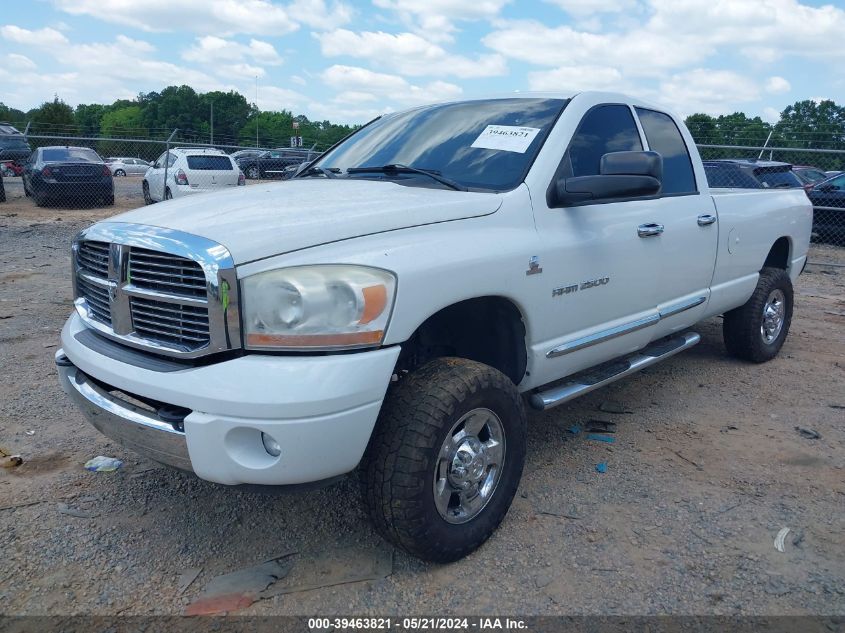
706, 468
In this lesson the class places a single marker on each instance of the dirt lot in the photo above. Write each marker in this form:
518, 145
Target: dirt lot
707, 466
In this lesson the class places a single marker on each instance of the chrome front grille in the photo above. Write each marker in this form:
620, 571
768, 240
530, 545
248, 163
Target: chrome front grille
177, 298
93, 258
170, 323
97, 297
165, 273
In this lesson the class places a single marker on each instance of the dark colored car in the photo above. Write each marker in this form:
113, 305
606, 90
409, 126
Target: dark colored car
61, 174
13, 145
750, 174
809, 175
2, 190
243, 154
828, 198
273, 163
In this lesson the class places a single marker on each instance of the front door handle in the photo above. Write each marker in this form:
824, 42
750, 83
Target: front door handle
649, 230
706, 219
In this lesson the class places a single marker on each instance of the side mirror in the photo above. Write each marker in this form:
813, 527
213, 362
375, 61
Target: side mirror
621, 175
156, 165
824, 188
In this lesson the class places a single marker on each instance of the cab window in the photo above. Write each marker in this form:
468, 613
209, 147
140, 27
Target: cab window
665, 138
604, 129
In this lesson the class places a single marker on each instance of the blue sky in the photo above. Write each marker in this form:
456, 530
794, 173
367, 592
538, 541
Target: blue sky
347, 60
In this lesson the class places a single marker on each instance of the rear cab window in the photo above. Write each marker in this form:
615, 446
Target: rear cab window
203, 162
664, 137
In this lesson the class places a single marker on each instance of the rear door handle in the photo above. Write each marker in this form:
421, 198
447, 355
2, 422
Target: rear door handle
649, 230
706, 219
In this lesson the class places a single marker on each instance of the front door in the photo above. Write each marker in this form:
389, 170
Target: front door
597, 274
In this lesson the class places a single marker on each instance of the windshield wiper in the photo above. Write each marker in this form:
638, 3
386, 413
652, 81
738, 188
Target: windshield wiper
310, 171
396, 168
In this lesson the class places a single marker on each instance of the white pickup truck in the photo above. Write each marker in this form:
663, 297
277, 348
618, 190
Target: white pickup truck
393, 307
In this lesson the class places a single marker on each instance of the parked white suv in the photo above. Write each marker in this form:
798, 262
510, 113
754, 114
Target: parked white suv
183, 171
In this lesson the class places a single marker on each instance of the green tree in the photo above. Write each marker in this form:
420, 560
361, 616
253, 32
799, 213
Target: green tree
88, 118
11, 115
810, 124
231, 111
55, 115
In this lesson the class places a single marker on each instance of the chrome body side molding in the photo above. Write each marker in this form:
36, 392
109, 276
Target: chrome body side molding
625, 328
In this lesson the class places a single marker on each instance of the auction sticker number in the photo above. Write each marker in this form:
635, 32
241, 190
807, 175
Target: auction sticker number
507, 138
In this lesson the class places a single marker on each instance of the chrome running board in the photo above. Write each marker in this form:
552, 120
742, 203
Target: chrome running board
606, 373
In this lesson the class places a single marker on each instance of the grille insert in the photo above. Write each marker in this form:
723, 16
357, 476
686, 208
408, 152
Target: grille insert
97, 298
163, 272
93, 258
170, 323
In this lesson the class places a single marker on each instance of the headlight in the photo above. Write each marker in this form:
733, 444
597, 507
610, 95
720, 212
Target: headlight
317, 307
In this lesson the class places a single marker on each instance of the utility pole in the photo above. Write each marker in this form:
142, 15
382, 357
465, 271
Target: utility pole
212, 123
256, 110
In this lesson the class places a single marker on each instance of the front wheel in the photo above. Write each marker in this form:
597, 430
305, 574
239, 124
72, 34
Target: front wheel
757, 330
252, 173
445, 458
167, 194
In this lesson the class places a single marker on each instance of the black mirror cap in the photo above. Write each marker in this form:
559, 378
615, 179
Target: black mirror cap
632, 164
606, 187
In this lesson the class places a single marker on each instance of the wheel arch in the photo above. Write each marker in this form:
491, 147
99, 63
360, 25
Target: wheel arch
779, 255
489, 329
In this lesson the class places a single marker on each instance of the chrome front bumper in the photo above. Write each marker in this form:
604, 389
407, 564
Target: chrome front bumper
135, 428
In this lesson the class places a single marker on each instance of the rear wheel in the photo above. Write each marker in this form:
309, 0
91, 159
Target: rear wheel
109, 200
757, 330
145, 187
40, 199
252, 173
445, 458
119, 172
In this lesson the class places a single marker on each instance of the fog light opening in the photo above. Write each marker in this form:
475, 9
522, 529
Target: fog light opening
270, 445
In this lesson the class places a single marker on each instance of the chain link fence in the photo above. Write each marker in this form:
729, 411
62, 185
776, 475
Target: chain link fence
820, 172
57, 169
66, 170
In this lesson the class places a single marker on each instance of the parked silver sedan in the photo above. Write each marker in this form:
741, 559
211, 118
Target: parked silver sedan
128, 166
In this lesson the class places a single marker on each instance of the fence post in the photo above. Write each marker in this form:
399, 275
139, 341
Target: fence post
166, 162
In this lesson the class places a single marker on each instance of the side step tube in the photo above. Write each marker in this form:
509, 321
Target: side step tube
601, 375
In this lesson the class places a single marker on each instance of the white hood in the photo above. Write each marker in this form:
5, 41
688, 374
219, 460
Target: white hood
269, 219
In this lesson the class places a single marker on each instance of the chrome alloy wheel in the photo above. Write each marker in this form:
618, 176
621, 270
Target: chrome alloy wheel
774, 312
469, 465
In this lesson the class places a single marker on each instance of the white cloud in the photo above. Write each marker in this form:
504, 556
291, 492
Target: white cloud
706, 90
319, 15
777, 85
43, 37
222, 17
771, 115
582, 8
575, 78
436, 19
213, 50
239, 71
678, 34
393, 87
408, 54
20, 62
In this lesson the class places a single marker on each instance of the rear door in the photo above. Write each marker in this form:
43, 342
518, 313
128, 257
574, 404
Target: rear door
211, 171
689, 228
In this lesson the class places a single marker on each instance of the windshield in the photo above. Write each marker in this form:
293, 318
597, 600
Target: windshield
487, 145
70, 154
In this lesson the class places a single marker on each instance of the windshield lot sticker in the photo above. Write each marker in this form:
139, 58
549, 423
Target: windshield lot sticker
508, 138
